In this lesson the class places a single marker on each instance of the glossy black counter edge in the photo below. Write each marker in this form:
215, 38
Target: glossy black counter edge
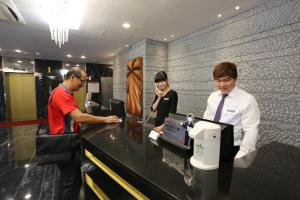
144, 186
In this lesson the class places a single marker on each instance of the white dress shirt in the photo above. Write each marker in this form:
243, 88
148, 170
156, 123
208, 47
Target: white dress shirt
240, 110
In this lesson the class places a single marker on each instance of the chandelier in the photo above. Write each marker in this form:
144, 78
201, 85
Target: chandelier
63, 15
58, 22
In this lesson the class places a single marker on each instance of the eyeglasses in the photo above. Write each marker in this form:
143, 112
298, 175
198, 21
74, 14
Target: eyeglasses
82, 80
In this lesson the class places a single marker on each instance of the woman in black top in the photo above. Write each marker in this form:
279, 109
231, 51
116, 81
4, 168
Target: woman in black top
165, 100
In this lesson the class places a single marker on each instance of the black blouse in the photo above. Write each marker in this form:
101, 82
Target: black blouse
166, 105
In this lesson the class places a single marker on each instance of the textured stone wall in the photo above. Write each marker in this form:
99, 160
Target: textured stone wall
154, 55
264, 43
119, 69
155, 60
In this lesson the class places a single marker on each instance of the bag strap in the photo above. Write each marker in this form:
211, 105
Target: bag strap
51, 95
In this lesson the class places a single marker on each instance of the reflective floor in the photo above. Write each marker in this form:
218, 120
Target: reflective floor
20, 178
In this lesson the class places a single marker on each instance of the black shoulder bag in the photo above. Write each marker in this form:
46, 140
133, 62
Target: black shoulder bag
56, 148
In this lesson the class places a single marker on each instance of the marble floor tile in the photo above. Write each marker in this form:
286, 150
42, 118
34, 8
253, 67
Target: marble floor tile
20, 178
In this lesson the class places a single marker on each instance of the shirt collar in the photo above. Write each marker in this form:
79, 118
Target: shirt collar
66, 88
232, 93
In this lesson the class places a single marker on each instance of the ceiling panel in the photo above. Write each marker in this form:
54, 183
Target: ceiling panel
101, 31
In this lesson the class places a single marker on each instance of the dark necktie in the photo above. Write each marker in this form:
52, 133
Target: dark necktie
219, 109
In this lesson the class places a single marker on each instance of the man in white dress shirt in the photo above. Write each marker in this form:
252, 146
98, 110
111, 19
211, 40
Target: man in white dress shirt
232, 105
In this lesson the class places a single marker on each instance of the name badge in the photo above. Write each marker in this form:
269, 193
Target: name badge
166, 99
231, 111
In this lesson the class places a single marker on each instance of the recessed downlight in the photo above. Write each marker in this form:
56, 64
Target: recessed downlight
27, 196
69, 55
67, 64
165, 39
18, 50
77, 65
172, 36
237, 7
82, 57
219, 15
37, 53
20, 61
126, 25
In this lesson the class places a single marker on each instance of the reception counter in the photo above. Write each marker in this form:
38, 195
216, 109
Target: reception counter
121, 162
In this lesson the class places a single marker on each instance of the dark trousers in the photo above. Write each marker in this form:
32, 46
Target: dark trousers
69, 181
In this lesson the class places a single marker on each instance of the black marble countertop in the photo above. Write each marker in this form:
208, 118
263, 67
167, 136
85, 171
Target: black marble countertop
272, 172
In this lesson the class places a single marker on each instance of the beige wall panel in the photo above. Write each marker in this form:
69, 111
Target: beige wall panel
29, 97
21, 96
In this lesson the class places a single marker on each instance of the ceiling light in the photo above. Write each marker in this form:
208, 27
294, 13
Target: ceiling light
0, 49
69, 55
77, 65
64, 72
126, 25
67, 64
219, 15
37, 53
237, 7
172, 36
18, 50
32, 62
20, 61
127, 45
27, 196
61, 16
165, 39
27, 165
83, 57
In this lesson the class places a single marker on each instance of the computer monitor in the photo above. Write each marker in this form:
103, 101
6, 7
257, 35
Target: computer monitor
117, 108
175, 133
226, 146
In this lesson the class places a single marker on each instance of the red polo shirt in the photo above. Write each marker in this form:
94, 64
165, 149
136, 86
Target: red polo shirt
61, 103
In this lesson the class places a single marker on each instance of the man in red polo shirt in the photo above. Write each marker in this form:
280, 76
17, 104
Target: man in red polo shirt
64, 117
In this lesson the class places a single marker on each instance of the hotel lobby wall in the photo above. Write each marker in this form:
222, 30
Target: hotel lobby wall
120, 63
265, 44
103, 74
47, 77
154, 55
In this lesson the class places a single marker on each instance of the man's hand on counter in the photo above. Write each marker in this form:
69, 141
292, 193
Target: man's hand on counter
159, 129
111, 119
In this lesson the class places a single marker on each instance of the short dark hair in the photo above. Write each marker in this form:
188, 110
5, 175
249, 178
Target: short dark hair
225, 69
75, 71
160, 76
